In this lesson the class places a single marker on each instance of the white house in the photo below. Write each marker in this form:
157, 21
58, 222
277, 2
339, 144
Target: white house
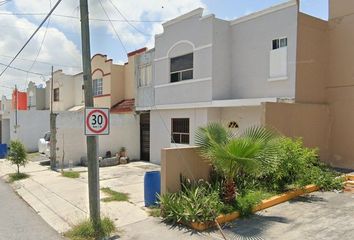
204, 69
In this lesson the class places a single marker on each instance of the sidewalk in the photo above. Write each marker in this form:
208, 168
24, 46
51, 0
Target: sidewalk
63, 202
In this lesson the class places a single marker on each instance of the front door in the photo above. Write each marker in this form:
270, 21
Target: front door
145, 136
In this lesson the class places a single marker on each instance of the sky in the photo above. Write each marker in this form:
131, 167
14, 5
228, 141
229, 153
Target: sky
58, 43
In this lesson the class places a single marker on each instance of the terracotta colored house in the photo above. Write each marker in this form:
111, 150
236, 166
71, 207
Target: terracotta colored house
19, 100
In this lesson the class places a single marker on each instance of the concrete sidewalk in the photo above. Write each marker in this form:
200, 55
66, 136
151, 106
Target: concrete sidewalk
63, 202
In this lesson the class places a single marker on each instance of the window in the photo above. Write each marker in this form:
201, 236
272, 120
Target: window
180, 130
97, 87
56, 95
181, 68
279, 43
145, 75
233, 124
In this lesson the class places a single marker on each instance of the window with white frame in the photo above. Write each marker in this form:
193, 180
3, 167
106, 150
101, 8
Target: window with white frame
145, 75
181, 68
180, 130
97, 87
278, 59
279, 43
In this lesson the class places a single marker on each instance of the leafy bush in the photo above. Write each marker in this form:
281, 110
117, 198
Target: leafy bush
17, 154
85, 230
198, 202
245, 203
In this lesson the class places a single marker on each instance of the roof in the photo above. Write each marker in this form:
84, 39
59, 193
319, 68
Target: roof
124, 106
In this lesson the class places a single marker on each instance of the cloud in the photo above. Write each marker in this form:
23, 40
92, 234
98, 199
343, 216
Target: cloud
61, 45
56, 48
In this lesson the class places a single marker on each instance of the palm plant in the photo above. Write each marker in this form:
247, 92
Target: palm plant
232, 154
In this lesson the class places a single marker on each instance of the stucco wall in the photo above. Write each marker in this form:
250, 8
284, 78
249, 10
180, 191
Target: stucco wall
311, 122
124, 132
117, 84
160, 128
33, 124
5, 131
251, 46
312, 59
193, 34
244, 116
184, 162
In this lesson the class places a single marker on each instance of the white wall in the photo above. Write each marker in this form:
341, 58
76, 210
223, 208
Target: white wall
5, 131
160, 123
124, 132
160, 128
33, 124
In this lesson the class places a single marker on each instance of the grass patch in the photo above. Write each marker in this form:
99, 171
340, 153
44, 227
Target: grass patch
85, 231
33, 155
114, 196
70, 174
154, 211
17, 176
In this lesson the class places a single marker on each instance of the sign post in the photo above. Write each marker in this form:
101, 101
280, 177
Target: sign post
96, 121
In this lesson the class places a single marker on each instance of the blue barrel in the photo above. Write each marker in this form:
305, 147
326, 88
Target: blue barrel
152, 187
3, 150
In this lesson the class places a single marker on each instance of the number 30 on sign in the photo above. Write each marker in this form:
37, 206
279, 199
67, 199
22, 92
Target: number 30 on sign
96, 121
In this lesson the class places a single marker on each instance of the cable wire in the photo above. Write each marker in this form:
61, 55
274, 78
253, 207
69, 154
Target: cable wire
127, 21
23, 47
120, 40
23, 70
75, 17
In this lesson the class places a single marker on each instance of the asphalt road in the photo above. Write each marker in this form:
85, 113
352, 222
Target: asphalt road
19, 221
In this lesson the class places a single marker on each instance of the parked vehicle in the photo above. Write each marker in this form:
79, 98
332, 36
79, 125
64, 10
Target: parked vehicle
44, 144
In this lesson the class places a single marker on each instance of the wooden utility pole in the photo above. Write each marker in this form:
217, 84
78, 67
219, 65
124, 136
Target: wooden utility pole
53, 127
91, 141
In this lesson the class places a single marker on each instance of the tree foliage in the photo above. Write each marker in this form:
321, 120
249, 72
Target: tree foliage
17, 154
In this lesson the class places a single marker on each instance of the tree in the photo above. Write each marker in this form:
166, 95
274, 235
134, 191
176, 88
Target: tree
17, 154
231, 154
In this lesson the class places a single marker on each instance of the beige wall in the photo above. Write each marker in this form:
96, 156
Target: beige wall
340, 89
117, 84
181, 161
129, 77
312, 59
308, 121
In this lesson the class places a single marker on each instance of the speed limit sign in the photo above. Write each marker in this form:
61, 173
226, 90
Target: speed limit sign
96, 121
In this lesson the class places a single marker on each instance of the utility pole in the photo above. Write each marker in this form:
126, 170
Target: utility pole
53, 127
91, 141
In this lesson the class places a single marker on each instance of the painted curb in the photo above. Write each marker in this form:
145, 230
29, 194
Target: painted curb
224, 218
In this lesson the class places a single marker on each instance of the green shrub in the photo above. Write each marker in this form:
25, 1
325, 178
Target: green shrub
85, 230
245, 203
197, 203
17, 154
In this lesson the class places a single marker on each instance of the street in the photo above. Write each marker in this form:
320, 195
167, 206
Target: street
19, 221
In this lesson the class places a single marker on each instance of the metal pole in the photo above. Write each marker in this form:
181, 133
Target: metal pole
53, 127
16, 106
93, 170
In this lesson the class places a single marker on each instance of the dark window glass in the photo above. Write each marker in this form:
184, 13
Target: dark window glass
175, 77
275, 43
56, 95
187, 75
182, 62
180, 130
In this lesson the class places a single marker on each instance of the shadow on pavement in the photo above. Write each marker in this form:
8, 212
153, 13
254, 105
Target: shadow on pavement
251, 228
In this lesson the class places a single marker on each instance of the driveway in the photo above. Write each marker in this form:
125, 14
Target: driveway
321, 215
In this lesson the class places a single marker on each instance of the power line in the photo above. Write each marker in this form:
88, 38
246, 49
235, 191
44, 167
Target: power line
132, 25
42, 62
23, 47
41, 45
23, 70
120, 40
75, 17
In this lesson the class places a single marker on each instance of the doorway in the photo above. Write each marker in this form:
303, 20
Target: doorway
145, 136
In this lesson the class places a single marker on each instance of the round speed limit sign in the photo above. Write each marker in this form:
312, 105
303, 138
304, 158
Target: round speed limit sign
96, 121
